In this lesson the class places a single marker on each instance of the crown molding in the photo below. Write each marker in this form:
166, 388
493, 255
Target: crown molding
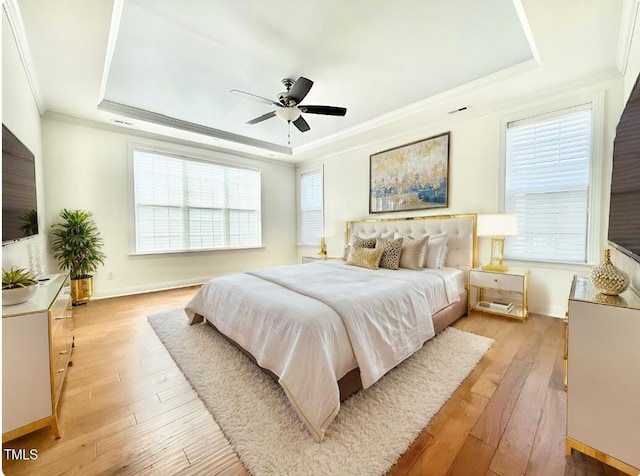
163, 120
425, 105
628, 23
158, 137
114, 27
566, 91
14, 17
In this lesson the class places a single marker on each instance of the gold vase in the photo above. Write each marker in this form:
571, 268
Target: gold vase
81, 290
607, 278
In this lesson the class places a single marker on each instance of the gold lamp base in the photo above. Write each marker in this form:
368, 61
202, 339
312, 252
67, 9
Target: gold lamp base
496, 264
499, 268
323, 248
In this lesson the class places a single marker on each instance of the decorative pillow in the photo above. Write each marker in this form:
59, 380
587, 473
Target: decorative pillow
413, 252
358, 241
443, 256
391, 252
434, 252
365, 257
417, 236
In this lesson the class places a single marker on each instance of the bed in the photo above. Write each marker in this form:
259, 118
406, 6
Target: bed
326, 329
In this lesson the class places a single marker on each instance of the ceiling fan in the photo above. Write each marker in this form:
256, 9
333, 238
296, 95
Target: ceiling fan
288, 106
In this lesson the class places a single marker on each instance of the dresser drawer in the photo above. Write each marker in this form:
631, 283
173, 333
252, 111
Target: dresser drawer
506, 282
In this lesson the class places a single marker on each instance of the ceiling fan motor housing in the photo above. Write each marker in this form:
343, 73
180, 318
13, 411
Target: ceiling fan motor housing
283, 98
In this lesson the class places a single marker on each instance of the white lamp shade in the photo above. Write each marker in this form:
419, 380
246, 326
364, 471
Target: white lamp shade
289, 114
499, 224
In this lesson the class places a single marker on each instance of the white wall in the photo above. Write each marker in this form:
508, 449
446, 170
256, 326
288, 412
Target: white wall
88, 168
474, 177
20, 114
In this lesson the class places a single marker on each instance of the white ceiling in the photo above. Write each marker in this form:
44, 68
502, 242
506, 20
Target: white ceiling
167, 67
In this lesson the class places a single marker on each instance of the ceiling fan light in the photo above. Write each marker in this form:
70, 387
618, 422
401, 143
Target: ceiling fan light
288, 114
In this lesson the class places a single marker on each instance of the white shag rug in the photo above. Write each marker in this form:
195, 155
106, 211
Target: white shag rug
372, 430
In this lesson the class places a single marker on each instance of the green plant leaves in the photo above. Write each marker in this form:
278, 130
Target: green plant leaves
17, 278
77, 244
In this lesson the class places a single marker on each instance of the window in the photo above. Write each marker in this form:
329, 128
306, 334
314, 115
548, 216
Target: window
547, 185
186, 204
311, 208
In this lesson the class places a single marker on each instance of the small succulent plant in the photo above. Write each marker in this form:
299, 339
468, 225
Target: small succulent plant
17, 278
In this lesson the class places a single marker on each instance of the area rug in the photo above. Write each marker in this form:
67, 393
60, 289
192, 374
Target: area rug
372, 430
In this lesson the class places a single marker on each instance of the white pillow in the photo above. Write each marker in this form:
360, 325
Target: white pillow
443, 257
435, 251
413, 252
417, 236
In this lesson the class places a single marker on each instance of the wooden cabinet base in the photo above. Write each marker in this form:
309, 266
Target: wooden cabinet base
600, 456
51, 421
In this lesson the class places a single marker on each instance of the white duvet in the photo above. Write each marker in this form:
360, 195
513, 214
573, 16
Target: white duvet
310, 324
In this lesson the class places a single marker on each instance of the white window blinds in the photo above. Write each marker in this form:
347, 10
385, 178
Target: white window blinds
547, 185
311, 208
185, 204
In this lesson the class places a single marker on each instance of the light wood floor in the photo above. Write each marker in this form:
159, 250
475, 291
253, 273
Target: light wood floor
127, 409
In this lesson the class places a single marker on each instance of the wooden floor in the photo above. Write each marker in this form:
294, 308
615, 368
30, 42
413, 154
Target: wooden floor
127, 409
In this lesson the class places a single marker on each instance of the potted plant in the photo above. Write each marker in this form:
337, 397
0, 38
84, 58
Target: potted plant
77, 246
18, 286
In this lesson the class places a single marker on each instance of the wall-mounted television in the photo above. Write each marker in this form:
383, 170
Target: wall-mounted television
624, 208
19, 199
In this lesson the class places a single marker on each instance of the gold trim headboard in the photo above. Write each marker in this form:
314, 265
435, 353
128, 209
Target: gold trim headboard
461, 229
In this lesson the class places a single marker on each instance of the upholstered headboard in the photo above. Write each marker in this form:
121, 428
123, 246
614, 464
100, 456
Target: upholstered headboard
461, 230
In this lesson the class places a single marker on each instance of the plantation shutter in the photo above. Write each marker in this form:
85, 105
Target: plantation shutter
311, 208
547, 185
186, 204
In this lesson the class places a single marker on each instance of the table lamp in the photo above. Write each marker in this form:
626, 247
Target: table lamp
497, 226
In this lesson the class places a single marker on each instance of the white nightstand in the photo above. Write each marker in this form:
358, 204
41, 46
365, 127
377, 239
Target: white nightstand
499, 293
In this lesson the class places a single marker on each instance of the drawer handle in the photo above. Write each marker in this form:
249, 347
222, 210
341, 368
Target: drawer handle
62, 352
495, 280
60, 371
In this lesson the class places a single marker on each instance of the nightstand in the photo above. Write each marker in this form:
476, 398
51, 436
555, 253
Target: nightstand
504, 294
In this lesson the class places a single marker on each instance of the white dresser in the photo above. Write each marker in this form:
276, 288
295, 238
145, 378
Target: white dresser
603, 376
37, 340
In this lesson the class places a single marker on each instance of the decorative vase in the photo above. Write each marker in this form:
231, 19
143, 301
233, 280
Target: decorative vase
607, 278
611, 300
81, 290
18, 295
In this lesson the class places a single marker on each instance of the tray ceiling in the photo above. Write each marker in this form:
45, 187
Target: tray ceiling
166, 67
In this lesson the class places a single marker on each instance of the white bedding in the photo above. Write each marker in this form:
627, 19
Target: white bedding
311, 324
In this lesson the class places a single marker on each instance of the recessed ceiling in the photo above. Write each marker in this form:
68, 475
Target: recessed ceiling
165, 68
180, 59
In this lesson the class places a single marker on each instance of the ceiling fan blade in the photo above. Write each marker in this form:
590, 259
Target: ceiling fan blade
301, 124
264, 117
326, 110
300, 89
247, 95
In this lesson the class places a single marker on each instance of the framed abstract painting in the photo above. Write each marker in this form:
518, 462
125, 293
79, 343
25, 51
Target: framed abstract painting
413, 176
